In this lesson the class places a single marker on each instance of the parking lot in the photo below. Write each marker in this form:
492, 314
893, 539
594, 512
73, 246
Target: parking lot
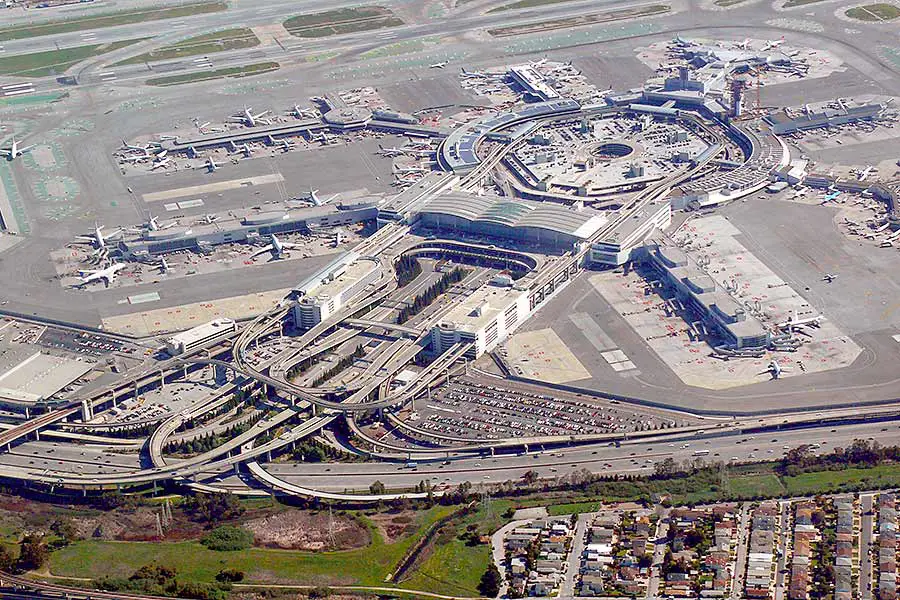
155, 404
468, 407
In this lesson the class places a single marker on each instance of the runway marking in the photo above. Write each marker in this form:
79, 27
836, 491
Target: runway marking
190, 204
18, 88
141, 298
210, 188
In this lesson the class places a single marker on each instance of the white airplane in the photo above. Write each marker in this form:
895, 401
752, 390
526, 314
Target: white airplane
795, 321
153, 224
472, 74
201, 127
313, 197
419, 145
680, 41
405, 180
15, 151
163, 266
158, 164
210, 165
132, 148
439, 65
864, 174
209, 219
773, 44
829, 277
394, 151
407, 170
276, 248
799, 193
775, 370
242, 149
98, 240
106, 275
743, 45
303, 113
249, 119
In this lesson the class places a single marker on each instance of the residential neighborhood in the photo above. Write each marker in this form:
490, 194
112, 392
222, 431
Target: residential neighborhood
838, 547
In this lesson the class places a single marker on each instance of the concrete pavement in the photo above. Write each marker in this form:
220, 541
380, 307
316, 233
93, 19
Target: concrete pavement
659, 552
498, 553
866, 535
740, 561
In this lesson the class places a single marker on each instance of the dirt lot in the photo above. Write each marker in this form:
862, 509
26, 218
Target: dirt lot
304, 530
395, 524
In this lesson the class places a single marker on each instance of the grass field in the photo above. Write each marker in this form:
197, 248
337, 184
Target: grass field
451, 567
580, 21
210, 43
193, 561
525, 4
875, 12
109, 20
845, 479
795, 3
42, 64
739, 483
727, 3
343, 20
750, 486
233, 72
570, 508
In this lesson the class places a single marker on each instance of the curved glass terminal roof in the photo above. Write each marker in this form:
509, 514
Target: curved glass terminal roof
515, 213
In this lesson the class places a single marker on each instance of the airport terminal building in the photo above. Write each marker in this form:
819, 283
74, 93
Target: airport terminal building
618, 247
324, 293
244, 227
718, 311
550, 226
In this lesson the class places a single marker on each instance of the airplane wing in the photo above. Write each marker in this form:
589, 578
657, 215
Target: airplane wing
5, 152
26, 148
262, 250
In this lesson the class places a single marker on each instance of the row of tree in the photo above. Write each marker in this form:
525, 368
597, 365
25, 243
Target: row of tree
407, 268
235, 402
205, 443
425, 299
860, 453
160, 580
342, 364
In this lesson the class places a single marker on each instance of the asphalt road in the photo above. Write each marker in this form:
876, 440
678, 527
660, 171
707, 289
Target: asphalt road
631, 457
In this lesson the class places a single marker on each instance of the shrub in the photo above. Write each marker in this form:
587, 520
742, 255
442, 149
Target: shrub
228, 538
319, 592
230, 576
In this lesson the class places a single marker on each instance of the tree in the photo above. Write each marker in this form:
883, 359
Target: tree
6, 559
33, 552
229, 576
65, 529
530, 476
212, 508
319, 592
665, 468
159, 574
489, 585
377, 488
